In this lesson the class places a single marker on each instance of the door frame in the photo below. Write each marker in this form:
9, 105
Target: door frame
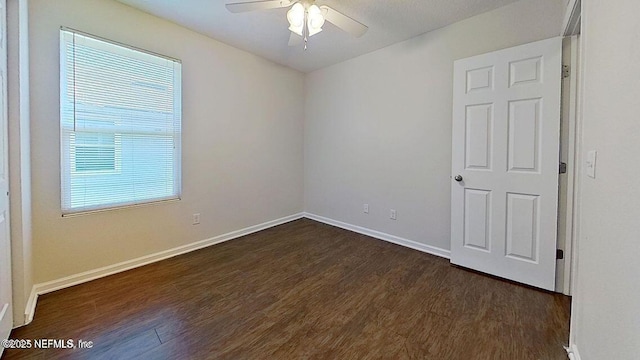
568, 232
571, 29
7, 311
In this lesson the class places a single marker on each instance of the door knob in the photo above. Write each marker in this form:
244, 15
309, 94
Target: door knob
458, 178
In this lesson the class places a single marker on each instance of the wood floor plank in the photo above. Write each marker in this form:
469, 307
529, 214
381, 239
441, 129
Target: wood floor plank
301, 290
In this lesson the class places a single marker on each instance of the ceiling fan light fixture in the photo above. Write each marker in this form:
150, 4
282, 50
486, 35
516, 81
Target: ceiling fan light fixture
315, 20
304, 16
295, 16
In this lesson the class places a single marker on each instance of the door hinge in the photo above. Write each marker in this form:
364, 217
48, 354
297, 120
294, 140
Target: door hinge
559, 254
566, 71
563, 168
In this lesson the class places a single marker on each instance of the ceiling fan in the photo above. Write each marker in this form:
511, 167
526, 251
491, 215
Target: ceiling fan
305, 17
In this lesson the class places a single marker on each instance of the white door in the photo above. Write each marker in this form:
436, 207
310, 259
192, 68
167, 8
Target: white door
504, 192
6, 311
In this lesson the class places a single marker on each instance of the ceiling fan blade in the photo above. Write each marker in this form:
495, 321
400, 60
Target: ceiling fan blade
295, 39
344, 22
258, 5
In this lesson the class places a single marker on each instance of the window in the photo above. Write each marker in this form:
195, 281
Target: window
92, 153
120, 124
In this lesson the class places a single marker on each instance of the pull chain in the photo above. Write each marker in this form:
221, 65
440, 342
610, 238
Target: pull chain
305, 29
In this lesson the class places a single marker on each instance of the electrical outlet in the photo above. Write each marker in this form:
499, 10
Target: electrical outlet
366, 208
196, 219
393, 215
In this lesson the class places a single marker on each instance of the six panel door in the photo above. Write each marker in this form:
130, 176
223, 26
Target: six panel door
504, 195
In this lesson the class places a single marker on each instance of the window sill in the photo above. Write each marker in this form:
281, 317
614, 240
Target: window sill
119, 207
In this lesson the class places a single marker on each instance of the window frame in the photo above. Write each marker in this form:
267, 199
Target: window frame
70, 156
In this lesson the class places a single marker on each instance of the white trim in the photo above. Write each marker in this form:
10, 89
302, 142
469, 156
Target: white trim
572, 17
4, 310
573, 352
383, 236
573, 160
30, 308
577, 201
50, 286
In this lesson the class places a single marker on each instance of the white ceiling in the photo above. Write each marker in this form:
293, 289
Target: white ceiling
265, 32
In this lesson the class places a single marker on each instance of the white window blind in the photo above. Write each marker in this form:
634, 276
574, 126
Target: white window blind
120, 124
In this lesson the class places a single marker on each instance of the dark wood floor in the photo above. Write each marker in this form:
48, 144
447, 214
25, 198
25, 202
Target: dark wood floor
301, 290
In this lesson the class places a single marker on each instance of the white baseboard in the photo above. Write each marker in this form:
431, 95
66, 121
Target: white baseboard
50, 286
573, 352
383, 236
30, 308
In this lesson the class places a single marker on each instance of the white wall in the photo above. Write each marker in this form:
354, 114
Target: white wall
606, 302
242, 142
378, 127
